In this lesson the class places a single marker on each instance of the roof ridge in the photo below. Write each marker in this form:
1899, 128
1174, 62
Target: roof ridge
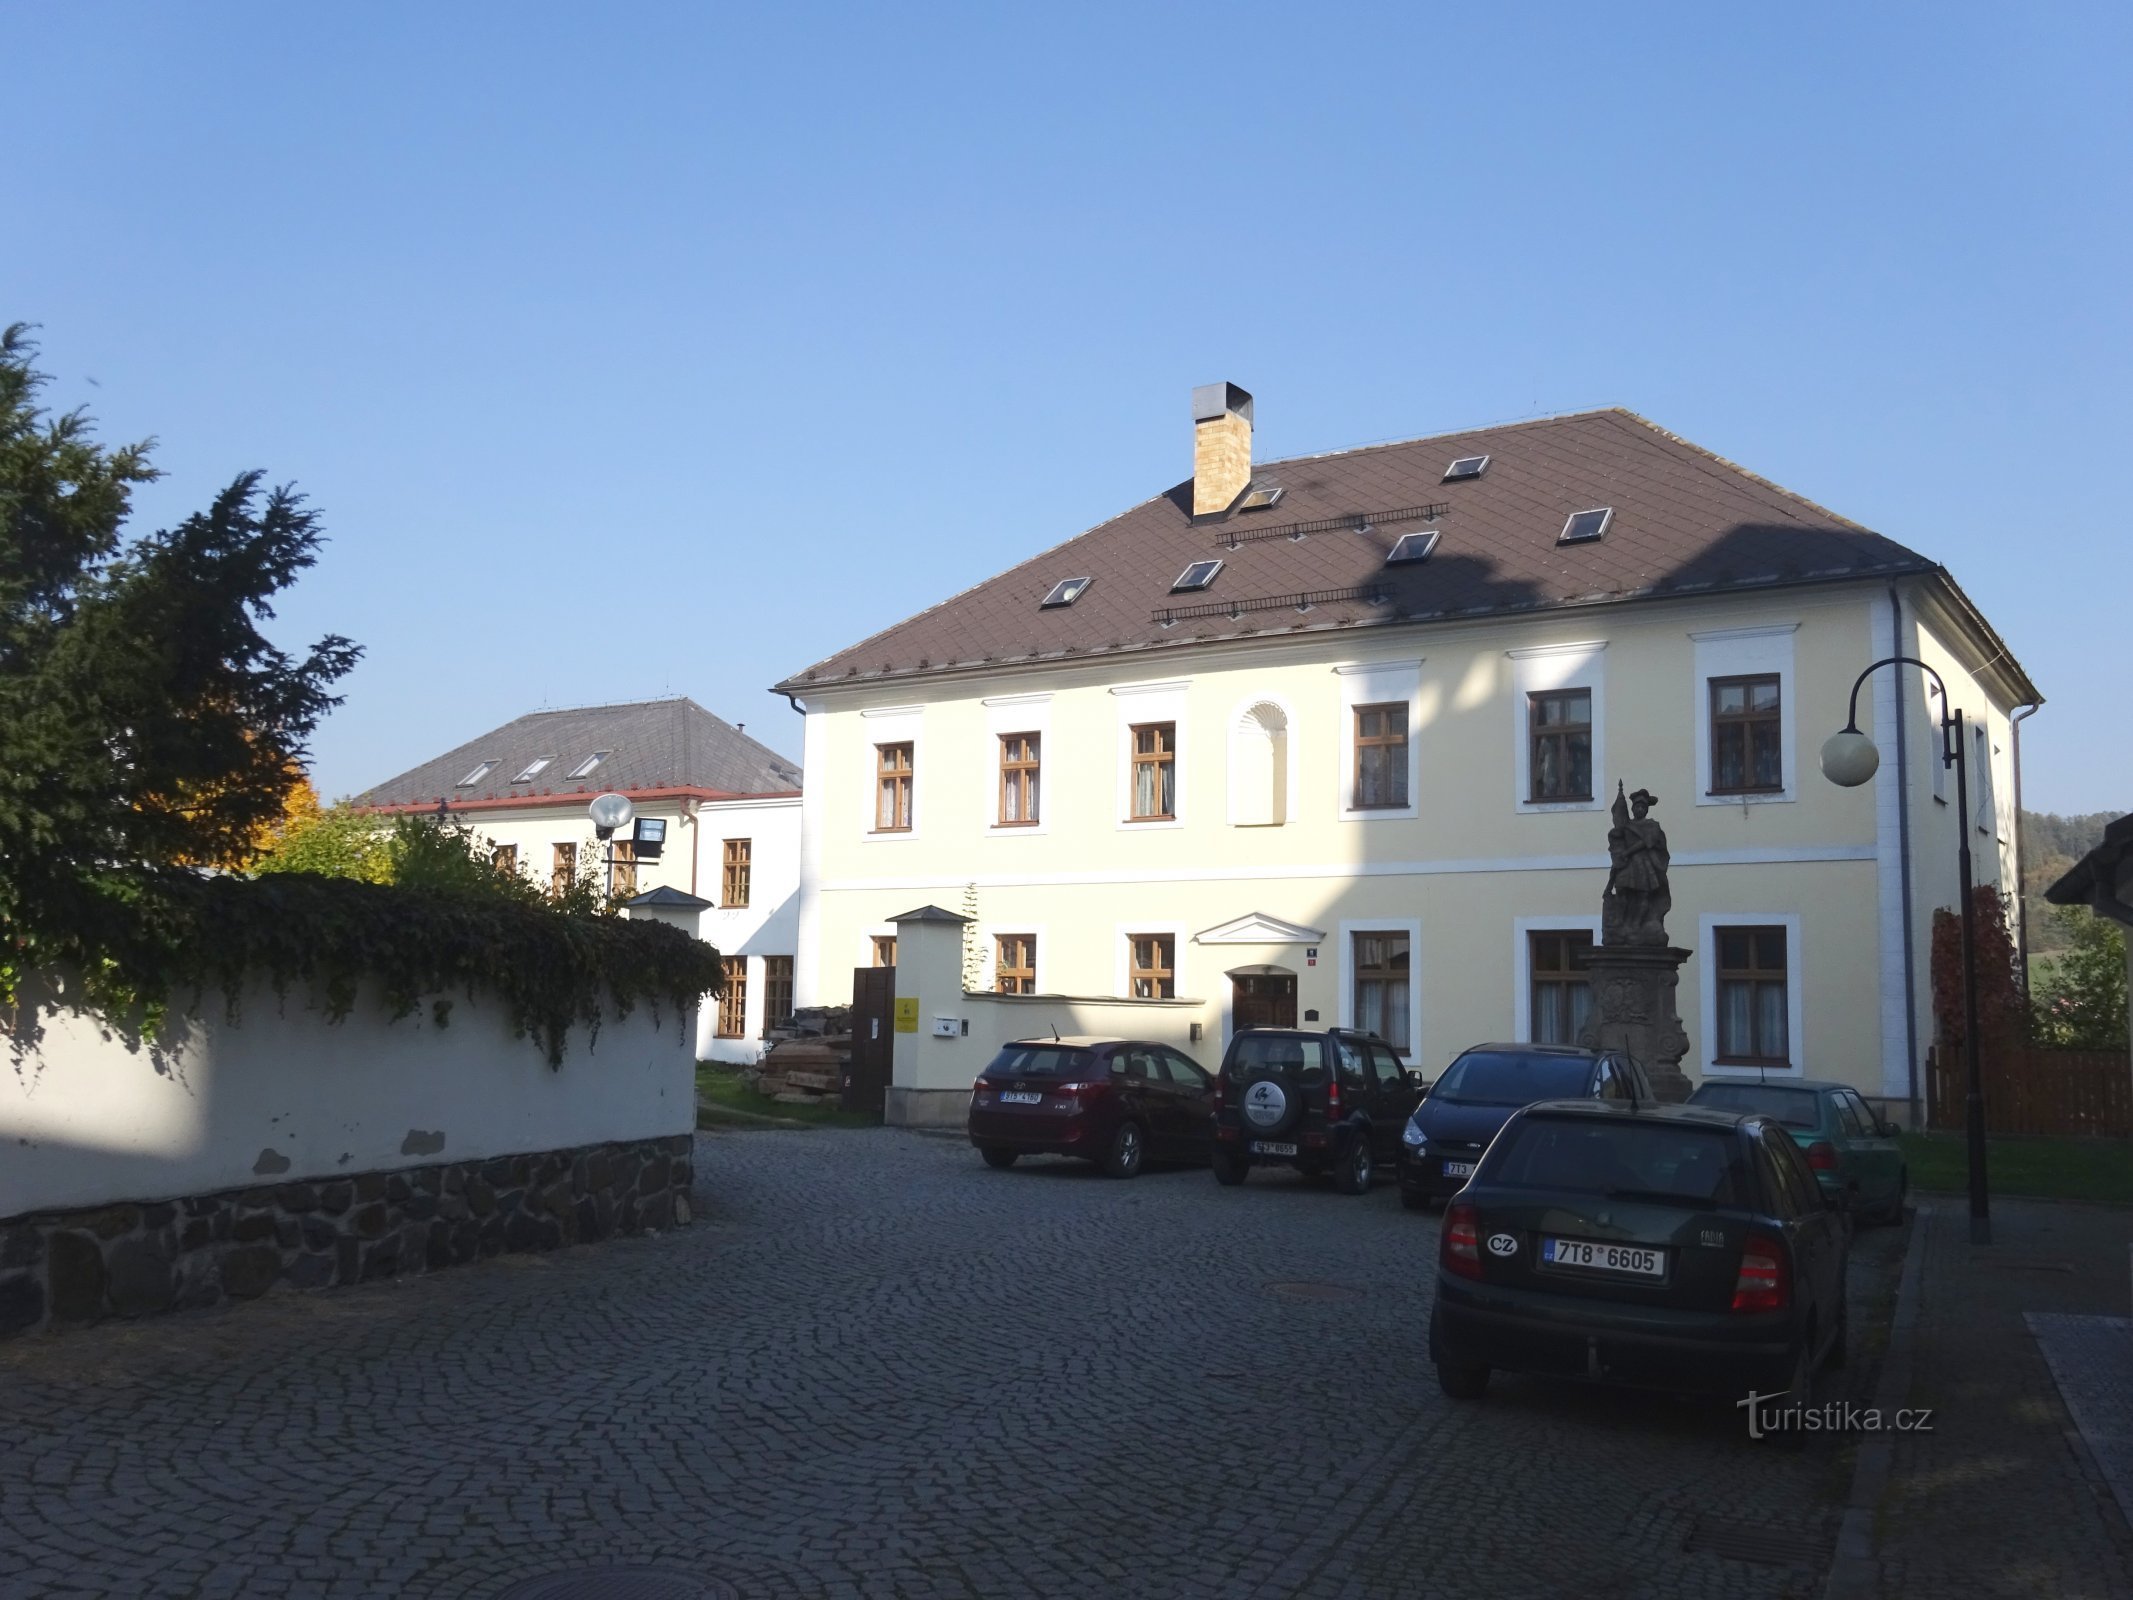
1541, 420
1751, 475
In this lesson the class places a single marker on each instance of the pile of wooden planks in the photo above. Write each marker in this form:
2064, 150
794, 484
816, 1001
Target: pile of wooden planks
806, 1061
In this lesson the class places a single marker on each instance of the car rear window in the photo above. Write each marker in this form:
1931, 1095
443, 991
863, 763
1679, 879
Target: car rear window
1301, 1057
1503, 1078
1039, 1061
1619, 1159
1796, 1108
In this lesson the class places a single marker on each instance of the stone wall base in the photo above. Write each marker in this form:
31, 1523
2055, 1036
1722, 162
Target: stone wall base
927, 1108
62, 1269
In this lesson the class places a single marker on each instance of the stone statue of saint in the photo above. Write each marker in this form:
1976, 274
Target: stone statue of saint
1634, 907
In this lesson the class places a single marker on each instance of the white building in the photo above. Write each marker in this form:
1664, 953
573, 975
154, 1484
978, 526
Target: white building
718, 820
1334, 740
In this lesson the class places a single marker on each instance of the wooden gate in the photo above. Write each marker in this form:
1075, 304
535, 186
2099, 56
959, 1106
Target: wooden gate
2030, 1090
866, 1081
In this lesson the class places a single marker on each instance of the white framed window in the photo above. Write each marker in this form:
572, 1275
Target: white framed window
1153, 740
1936, 713
1368, 959
894, 757
1538, 945
1553, 686
1137, 964
1751, 985
1984, 806
1379, 775
1262, 763
1747, 749
1005, 716
1026, 946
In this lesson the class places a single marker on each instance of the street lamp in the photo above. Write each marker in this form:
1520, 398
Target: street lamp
608, 812
1850, 758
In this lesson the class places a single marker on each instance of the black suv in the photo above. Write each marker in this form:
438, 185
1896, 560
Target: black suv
1331, 1100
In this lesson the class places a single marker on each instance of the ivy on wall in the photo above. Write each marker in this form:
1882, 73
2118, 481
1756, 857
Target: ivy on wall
148, 942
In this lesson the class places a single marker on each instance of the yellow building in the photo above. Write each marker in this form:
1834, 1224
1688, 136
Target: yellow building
1334, 738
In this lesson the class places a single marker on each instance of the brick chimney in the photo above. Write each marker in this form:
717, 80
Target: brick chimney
1221, 447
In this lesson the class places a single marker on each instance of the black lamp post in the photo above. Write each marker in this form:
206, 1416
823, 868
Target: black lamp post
1850, 758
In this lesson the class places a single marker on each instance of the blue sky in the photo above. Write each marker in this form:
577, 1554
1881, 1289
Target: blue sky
670, 348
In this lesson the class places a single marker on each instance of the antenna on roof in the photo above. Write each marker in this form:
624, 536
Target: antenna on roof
1055, 1033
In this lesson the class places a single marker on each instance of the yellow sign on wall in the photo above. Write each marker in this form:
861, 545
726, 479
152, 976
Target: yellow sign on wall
907, 1013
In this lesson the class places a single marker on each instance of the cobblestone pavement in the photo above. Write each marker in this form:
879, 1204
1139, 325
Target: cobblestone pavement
875, 1368
2000, 1499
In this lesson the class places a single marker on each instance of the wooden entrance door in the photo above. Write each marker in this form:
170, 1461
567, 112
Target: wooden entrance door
1264, 1000
866, 1082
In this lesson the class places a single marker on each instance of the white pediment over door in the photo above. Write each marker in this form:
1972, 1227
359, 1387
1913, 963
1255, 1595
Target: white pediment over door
1259, 928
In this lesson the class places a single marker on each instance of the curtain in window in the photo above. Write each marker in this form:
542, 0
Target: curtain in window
1155, 789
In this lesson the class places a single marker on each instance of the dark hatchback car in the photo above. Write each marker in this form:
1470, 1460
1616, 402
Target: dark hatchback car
1667, 1247
1323, 1101
1117, 1102
1444, 1139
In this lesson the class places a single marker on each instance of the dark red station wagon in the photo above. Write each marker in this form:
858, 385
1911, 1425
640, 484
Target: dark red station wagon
1117, 1102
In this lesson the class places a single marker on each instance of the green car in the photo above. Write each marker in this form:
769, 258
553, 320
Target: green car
1854, 1153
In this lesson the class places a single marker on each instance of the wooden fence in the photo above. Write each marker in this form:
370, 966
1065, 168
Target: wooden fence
2029, 1090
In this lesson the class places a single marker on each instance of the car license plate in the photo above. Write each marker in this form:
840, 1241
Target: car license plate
1020, 1097
1270, 1147
1458, 1169
1631, 1260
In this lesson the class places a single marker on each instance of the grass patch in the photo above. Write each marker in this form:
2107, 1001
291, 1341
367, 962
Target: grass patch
2047, 1169
720, 1085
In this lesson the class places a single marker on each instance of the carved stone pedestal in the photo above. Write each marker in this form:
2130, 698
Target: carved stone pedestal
1634, 1011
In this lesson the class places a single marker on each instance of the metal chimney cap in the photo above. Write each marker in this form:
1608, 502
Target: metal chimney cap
1212, 400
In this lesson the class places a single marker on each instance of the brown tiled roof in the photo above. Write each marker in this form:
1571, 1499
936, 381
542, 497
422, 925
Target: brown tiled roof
1685, 522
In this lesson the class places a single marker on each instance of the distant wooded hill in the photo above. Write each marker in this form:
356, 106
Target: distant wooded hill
2051, 844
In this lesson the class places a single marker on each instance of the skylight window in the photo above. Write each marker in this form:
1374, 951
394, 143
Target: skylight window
1412, 546
1065, 592
1197, 576
1466, 467
1263, 497
477, 775
533, 769
584, 768
1585, 526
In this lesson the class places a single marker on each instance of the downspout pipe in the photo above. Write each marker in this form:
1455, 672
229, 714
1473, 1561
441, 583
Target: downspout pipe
1903, 850
2015, 720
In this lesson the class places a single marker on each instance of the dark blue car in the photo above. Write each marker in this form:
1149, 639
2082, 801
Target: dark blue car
1469, 1105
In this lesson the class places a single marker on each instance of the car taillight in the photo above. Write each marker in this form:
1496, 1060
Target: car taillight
1221, 1087
1333, 1098
1765, 1283
1822, 1156
978, 1089
1460, 1249
1084, 1091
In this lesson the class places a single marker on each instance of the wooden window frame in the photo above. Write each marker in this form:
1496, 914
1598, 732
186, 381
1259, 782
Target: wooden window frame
880, 944
777, 991
1021, 776
1392, 742
625, 865
1567, 976
1161, 974
1757, 977
504, 858
897, 781
1539, 735
1747, 722
1014, 963
562, 866
733, 998
1162, 757
1384, 973
736, 872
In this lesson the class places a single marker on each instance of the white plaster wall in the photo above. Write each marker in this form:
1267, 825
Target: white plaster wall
283, 1095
